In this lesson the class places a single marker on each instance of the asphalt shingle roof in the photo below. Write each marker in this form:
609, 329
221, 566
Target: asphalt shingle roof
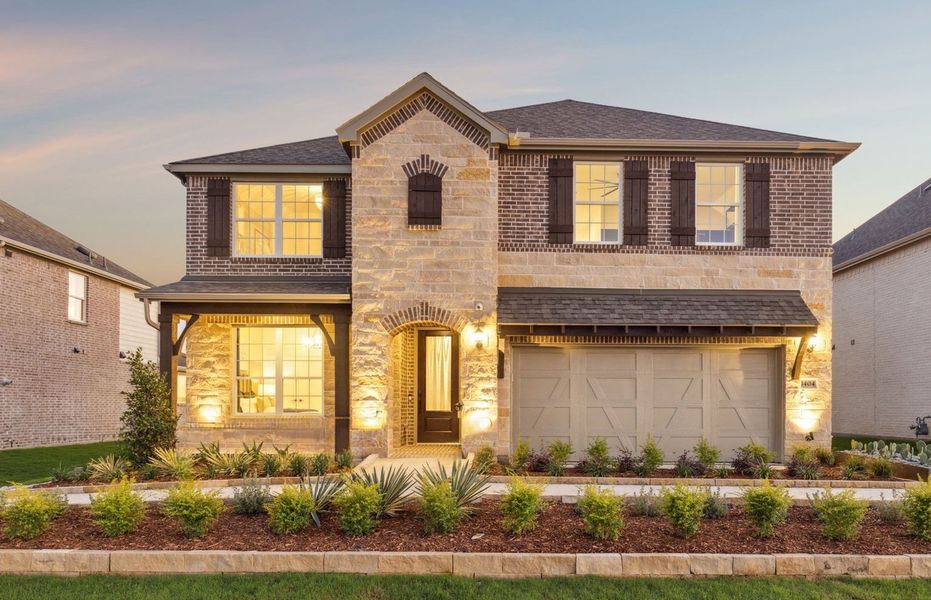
251, 285
524, 306
906, 216
318, 151
20, 227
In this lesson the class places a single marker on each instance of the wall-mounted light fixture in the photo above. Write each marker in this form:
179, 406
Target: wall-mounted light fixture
5, 381
815, 342
479, 337
369, 413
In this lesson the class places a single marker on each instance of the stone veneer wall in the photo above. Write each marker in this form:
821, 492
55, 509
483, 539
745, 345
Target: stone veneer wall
210, 356
397, 269
403, 370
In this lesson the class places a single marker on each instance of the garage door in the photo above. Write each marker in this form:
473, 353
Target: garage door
729, 396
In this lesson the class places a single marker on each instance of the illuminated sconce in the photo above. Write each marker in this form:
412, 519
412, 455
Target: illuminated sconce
815, 343
370, 413
209, 413
480, 416
479, 337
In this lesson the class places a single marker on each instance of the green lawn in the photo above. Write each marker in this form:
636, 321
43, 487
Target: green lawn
324, 587
32, 465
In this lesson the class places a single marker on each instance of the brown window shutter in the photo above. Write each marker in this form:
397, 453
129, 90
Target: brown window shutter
682, 184
560, 200
218, 216
756, 176
636, 188
424, 200
334, 218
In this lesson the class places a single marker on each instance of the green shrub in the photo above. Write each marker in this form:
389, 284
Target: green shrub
683, 508
118, 510
803, 465
438, 507
890, 511
917, 508
597, 461
686, 466
645, 503
107, 468
60, 473
706, 454
271, 465
802, 453
194, 509
298, 464
825, 456
747, 458
721, 471
625, 461
394, 485
520, 457
716, 507
148, 421
521, 505
881, 468
291, 510
251, 497
762, 470
357, 504
467, 484
343, 460
485, 458
651, 455
172, 463
766, 506
601, 512
840, 514
28, 513
320, 464
854, 468
558, 454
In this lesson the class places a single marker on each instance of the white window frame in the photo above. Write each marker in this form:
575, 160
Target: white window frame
739, 225
620, 202
83, 300
279, 377
279, 220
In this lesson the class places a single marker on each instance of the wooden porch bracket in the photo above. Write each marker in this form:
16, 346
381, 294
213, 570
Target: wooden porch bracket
800, 356
326, 334
176, 346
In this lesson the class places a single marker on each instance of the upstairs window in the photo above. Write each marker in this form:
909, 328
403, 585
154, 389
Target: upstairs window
597, 202
278, 219
77, 297
718, 197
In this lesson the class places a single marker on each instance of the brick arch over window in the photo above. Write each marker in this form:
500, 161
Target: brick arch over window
425, 164
425, 192
420, 314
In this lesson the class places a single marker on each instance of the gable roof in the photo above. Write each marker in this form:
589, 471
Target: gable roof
906, 220
318, 151
20, 230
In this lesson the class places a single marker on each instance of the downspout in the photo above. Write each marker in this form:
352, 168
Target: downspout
146, 302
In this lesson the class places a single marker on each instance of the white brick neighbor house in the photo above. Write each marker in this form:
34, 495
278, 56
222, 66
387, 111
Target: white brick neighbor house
882, 283
67, 318
435, 274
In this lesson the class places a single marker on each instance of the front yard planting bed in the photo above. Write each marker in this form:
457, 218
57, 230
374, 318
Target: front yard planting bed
559, 530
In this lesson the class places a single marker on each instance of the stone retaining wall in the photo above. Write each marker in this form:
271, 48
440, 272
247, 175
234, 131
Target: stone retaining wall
139, 562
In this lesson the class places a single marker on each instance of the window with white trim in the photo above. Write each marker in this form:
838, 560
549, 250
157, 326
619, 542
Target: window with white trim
279, 371
597, 190
718, 204
77, 297
278, 219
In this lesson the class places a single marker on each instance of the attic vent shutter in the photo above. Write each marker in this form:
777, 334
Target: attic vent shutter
560, 197
757, 200
334, 218
636, 185
218, 216
682, 182
424, 199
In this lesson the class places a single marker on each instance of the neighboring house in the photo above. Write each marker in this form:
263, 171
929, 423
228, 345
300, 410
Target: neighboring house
882, 323
434, 274
67, 318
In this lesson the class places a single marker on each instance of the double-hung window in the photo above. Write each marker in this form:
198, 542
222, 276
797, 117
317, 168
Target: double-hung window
278, 219
718, 203
77, 297
279, 371
597, 188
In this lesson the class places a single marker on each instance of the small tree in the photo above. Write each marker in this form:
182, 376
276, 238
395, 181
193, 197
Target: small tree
148, 422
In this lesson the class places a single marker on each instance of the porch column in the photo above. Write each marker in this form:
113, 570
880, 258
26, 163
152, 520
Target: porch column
167, 361
341, 360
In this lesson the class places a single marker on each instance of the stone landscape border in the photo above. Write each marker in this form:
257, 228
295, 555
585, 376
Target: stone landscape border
510, 565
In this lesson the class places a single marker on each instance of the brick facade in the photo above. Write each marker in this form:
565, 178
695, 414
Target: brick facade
58, 396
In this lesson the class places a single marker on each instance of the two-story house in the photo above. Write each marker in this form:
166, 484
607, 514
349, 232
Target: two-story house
435, 274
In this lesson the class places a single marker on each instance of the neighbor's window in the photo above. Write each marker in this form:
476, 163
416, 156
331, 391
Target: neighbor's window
597, 202
279, 370
280, 219
718, 194
77, 297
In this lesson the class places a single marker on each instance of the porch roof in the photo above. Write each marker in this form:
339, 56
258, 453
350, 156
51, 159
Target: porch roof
643, 312
252, 289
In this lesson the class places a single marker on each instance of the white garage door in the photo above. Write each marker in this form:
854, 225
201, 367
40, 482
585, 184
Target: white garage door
729, 396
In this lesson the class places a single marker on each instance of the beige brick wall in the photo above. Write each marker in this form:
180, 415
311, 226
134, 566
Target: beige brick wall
57, 396
882, 358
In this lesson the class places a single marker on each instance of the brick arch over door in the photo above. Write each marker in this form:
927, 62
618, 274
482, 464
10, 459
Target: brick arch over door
422, 314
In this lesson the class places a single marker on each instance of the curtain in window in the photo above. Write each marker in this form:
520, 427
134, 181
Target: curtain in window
438, 373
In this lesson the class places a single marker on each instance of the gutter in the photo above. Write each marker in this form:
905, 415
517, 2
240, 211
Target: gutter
900, 243
180, 170
5, 241
245, 298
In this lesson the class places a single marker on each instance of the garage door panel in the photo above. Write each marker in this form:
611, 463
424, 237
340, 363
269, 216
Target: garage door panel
610, 360
678, 361
612, 391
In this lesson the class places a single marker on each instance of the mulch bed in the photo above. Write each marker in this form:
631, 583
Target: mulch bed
826, 473
559, 529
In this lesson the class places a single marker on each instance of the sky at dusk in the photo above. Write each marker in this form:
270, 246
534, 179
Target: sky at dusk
96, 96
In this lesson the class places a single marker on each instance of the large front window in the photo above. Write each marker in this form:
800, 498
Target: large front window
279, 370
718, 193
597, 202
278, 219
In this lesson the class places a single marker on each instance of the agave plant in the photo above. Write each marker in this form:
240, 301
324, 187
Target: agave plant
323, 492
466, 482
271, 464
207, 454
319, 464
298, 464
232, 464
394, 485
107, 468
253, 452
172, 463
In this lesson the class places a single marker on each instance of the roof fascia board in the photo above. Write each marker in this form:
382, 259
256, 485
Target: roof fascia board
240, 297
890, 247
72, 264
191, 168
349, 131
840, 149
